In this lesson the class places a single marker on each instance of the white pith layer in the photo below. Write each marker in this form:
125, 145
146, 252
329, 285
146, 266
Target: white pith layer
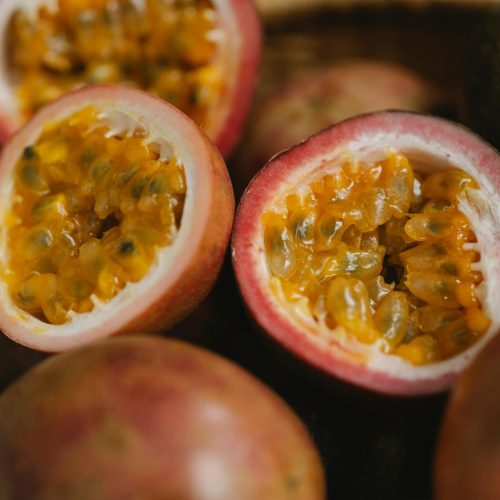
168, 142
482, 207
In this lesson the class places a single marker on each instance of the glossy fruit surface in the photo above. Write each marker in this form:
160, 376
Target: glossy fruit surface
151, 418
468, 453
112, 198
327, 216
199, 55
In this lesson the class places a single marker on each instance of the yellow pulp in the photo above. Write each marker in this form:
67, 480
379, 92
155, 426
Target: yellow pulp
169, 48
88, 215
381, 251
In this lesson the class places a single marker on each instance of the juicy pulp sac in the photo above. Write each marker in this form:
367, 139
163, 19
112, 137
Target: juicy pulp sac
383, 252
89, 211
171, 49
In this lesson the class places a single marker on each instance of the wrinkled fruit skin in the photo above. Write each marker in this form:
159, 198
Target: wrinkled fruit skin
421, 136
317, 98
149, 418
468, 452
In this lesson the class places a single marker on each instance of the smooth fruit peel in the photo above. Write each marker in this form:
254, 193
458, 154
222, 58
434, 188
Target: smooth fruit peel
152, 417
379, 250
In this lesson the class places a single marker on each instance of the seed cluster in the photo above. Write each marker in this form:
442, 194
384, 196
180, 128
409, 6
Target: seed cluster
169, 49
383, 252
89, 213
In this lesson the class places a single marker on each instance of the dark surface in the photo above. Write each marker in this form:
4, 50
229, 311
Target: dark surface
482, 85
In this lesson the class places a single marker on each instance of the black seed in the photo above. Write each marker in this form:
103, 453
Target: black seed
461, 336
156, 185
126, 247
29, 152
99, 170
128, 173
435, 227
445, 289
77, 67
195, 96
87, 156
30, 176
449, 268
137, 188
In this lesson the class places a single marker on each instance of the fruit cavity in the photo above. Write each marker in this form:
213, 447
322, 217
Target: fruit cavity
171, 49
91, 207
384, 252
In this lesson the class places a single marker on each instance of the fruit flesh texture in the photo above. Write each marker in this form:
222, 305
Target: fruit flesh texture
170, 49
383, 252
88, 216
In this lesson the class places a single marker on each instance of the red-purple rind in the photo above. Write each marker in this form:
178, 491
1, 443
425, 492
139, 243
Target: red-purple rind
333, 361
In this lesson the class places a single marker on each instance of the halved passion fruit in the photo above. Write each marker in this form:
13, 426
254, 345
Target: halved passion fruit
151, 418
371, 250
116, 211
199, 55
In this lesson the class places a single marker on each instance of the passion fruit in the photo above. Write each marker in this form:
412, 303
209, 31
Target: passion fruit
316, 98
370, 251
199, 55
468, 451
151, 418
116, 215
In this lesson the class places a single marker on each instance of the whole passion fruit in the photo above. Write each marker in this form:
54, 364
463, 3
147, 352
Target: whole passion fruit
371, 251
116, 212
199, 55
316, 98
468, 452
151, 418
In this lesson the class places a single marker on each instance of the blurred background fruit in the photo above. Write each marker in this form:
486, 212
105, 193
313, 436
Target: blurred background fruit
468, 452
143, 417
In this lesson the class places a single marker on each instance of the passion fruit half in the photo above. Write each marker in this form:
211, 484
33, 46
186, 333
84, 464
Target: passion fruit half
371, 251
151, 418
199, 55
468, 451
116, 212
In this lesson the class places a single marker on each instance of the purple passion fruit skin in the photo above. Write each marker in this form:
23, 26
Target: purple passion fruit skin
315, 98
154, 416
321, 226
468, 451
